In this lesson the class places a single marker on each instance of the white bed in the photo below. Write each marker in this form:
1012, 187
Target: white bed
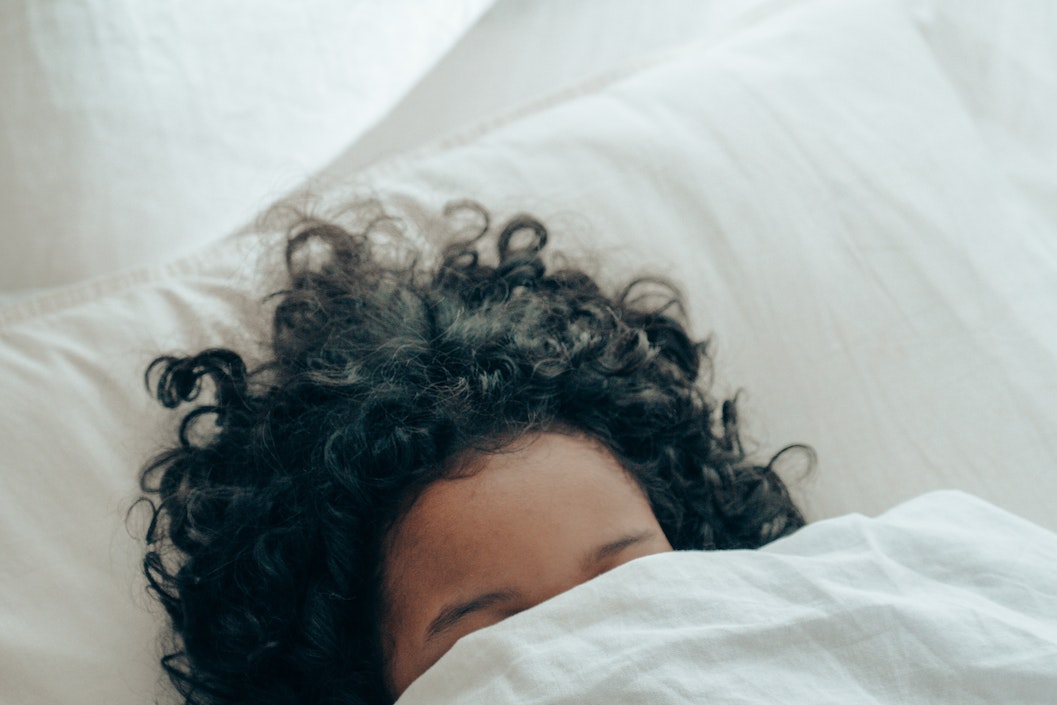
860, 199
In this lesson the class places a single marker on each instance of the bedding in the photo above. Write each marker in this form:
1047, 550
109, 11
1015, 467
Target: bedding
522, 52
943, 599
856, 198
132, 133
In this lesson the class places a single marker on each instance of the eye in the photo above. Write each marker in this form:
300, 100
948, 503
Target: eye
510, 613
630, 552
607, 566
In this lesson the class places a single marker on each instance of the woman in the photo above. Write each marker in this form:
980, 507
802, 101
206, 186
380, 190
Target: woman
429, 450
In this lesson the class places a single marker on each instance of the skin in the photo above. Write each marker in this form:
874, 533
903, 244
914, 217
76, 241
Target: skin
514, 529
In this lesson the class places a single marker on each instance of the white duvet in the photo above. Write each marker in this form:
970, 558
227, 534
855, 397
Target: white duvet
944, 599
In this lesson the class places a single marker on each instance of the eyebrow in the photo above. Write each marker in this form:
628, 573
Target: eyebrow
608, 550
455, 612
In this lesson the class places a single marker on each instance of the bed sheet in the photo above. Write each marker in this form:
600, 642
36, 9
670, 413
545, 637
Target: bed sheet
944, 600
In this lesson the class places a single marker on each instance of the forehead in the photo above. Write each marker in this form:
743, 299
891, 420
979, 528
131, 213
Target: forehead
546, 473
543, 492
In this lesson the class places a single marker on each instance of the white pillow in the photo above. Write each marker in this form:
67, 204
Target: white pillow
134, 132
585, 40
875, 278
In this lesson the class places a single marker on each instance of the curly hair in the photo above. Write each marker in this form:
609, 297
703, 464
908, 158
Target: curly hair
266, 544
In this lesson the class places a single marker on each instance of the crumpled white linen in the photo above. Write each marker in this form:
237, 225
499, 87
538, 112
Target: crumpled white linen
944, 599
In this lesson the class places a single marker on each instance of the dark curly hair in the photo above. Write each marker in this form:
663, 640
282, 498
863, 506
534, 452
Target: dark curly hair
266, 543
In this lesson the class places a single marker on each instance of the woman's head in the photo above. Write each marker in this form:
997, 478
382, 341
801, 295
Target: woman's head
508, 531
337, 528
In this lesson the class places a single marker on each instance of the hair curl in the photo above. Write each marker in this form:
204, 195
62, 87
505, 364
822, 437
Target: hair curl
266, 541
